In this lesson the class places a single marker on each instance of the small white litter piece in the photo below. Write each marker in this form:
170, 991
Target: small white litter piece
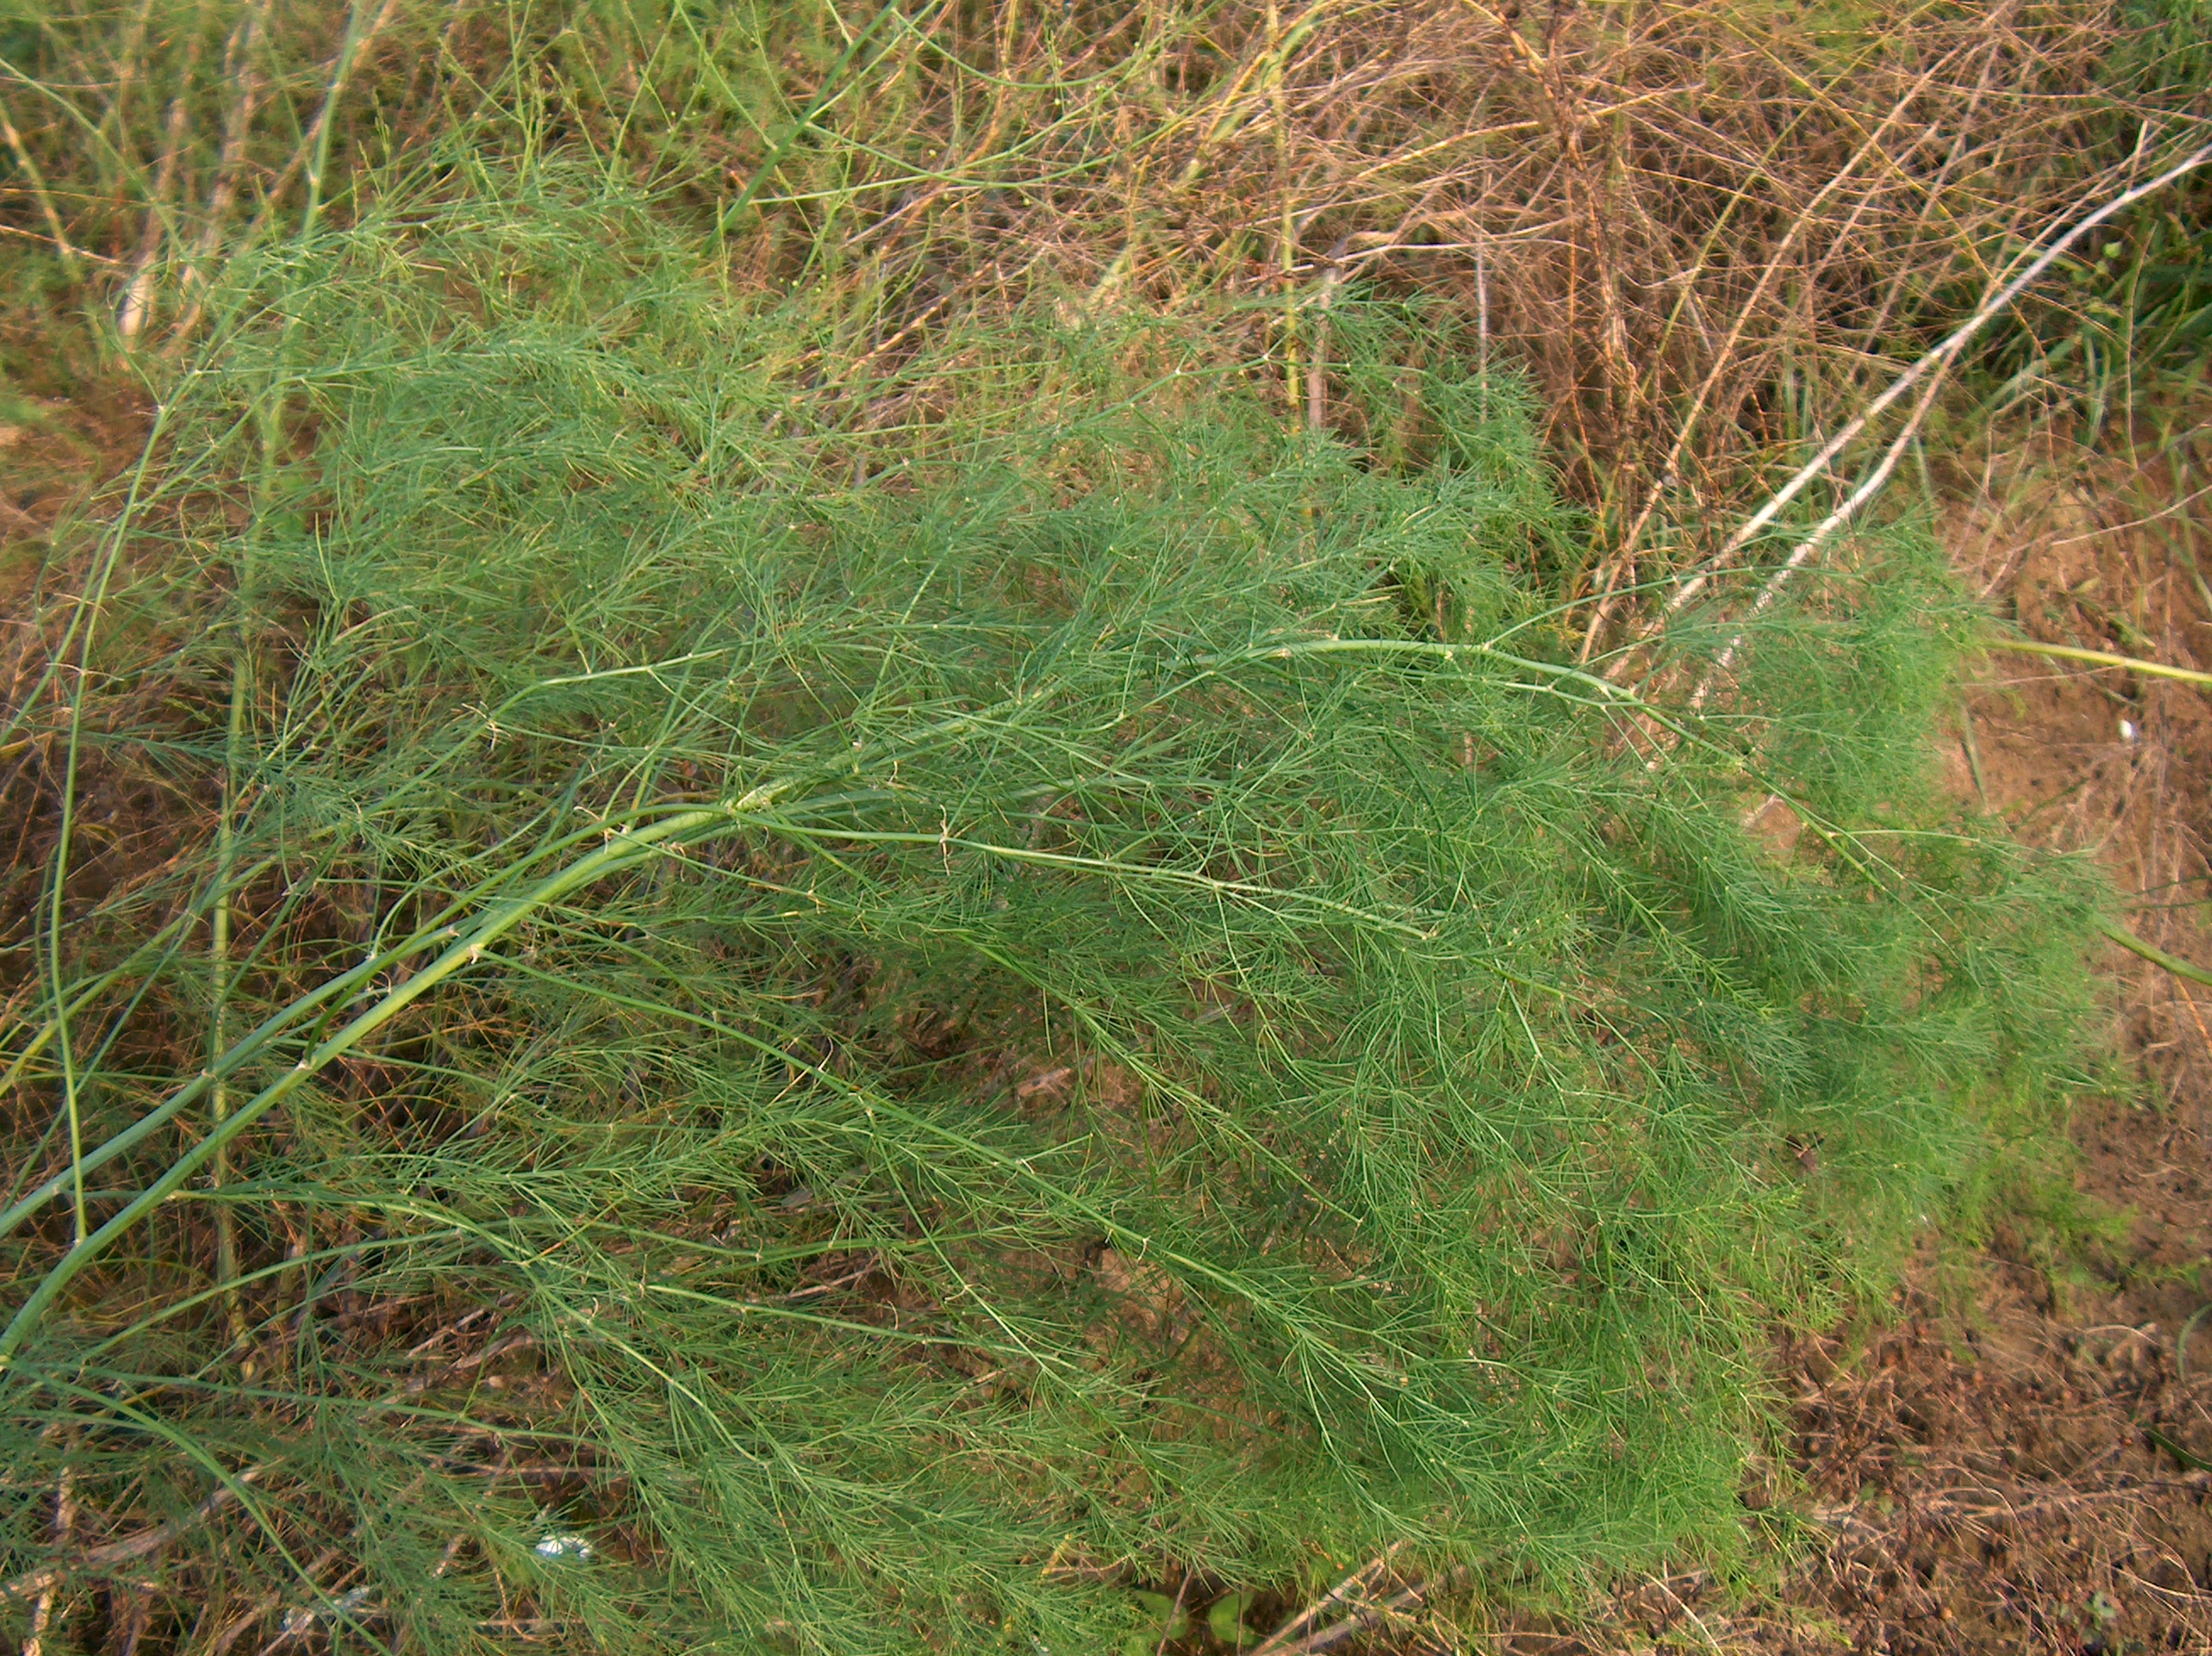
573, 1548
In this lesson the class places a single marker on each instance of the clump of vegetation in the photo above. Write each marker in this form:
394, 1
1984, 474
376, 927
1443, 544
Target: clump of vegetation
806, 1021
840, 844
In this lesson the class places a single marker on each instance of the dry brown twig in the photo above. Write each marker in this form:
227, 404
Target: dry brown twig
35, 180
130, 1549
241, 76
64, 1525
138, 292
1280, 1643
1400, 1603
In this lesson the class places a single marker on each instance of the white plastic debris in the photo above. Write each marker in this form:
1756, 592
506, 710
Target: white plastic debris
2128, 730
573, 1548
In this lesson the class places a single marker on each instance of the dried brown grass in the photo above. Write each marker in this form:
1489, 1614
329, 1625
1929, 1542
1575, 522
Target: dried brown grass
1697, 223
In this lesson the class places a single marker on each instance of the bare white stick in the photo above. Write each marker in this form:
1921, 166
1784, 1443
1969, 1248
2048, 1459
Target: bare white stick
1284, 1638
1939, 358
244, 83
138, 293
1827, 525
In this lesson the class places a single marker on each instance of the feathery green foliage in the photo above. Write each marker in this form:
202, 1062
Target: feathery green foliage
845, 1018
